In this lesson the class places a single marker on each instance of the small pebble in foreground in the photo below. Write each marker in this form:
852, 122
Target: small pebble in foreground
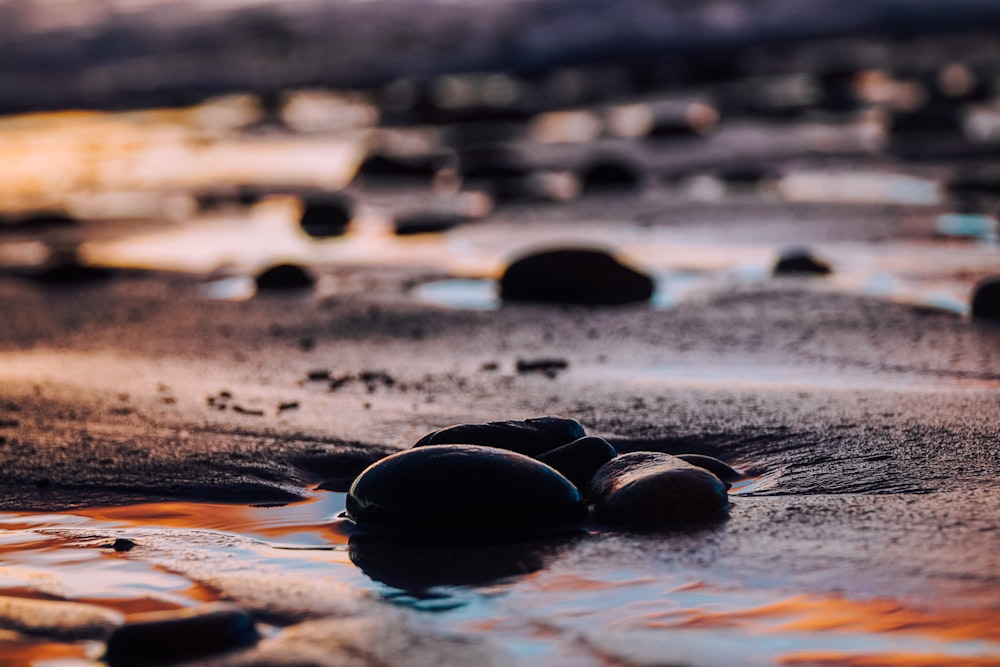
530, 436
164, 636
464, 493
655, 490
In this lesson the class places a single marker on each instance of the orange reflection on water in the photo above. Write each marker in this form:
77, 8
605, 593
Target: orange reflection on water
805, 613
834, 659
31, 654
577, 582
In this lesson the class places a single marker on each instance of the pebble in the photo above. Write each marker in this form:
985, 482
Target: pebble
610, 176
720, 469
574, 276
285, 276
57, 619
986, 299
464, 493
800, 261
162, 636
655, 490
580, 459
325, 216
530, 436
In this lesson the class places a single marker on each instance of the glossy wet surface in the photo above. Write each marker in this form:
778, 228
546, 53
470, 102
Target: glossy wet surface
645, 611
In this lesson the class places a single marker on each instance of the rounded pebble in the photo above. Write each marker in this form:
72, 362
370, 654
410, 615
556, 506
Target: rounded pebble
464, 493
285, 276
986, 299
580, 459
574, 276
530, 436
720, 469
655, 490
162, 636
800, 261
325, 216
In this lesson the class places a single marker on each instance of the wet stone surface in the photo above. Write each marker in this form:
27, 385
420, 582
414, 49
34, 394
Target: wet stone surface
654, 490
464, 493
530, 436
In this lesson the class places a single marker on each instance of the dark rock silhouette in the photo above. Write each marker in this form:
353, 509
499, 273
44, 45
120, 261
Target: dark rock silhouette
574, 277
285, 277
580, 459
325, 216
800, 262
986, 299
530, 436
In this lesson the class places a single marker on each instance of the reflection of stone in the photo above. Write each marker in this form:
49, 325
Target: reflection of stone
986, 299
418, 566
656, 490
530, 436
464, 493
166, 636
574, 276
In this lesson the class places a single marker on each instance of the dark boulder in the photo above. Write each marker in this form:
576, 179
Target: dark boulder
575, 277
530, 436
801, 262
609, 176
655, 490
464, 493
720, 469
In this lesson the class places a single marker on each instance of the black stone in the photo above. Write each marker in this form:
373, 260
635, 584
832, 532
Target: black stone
464, 493
580, 459
169, 636
986, 299
655, 490
428, 222
381, 169
799, 261
123, 544
530, 437
720, 469
574, 277
325, 216
285, 276
609, 176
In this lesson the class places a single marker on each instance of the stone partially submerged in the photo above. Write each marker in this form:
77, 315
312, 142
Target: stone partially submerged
464, 493
574, 276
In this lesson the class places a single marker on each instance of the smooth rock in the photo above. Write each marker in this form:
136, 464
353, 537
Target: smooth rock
580, 459
57, 619
165, 636
800, 261
325, 216
720, 469
574, 276
530, 436
609, 176
462, 493
655, 490
986, 299
285, 276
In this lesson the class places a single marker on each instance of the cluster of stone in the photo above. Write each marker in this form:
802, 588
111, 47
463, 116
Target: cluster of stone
515, 479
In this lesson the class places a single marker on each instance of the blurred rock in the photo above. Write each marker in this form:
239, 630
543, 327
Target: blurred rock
384, 170
580, 459
530, 436
655, 490
609, 176
986, 299
325, 216
464, 493
574, 277
285, 277
168, 636
801, 262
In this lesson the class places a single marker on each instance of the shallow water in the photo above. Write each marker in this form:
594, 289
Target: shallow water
559, 609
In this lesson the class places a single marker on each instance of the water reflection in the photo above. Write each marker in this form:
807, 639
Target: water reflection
417, 567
